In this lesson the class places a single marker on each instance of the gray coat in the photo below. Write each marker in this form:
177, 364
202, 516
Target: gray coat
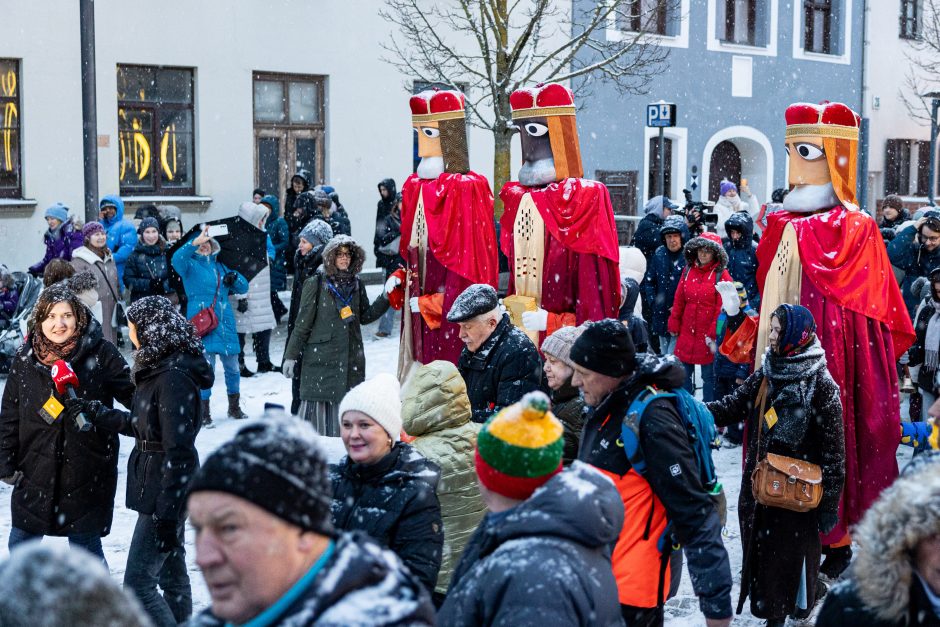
333, 357
109, 288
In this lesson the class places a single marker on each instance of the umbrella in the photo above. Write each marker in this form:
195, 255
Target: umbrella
244, 248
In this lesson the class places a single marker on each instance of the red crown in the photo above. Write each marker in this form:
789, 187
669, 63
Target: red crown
542, 101
436, 105
829, 119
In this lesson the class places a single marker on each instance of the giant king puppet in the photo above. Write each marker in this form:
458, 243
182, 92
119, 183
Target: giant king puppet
448, 231
557, 229
823, 253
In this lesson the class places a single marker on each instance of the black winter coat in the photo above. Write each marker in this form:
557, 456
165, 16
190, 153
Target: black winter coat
917, 352
504, 368
811, 431
568, 407
387, 231
646, 237
395, 501
545, 561
742, 255
360, 584
844, 607
147, 271
659, 287
164, 419
69, 476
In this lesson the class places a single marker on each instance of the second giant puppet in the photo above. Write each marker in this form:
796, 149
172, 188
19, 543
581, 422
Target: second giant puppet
448, 233
823, 253
557, 229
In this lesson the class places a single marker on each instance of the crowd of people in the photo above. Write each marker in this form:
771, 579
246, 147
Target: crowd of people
557, 480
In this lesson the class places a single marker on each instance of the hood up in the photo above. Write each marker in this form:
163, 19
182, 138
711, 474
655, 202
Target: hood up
255, 215
332, 247
118, 205
435, 399
692, 246
742, 223
674, 224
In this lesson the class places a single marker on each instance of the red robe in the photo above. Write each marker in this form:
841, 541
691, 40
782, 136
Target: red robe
861, 321
458, 209
580, 274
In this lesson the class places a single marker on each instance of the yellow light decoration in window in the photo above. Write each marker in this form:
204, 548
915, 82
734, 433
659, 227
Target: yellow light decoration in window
8, 87
141, 151
164, 146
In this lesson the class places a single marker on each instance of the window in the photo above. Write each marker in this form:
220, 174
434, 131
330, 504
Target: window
907, 163
647, 16
817, 26
11, 176
653, 183
289, 113
155, 130
740, 24
622, 187
910, 16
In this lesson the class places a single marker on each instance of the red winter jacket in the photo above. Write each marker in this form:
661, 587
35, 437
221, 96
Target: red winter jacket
695, 311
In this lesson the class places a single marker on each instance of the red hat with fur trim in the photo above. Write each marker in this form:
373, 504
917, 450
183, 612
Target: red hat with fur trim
437, 105
829, 119
542, 101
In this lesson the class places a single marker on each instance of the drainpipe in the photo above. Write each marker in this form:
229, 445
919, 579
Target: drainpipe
89, 108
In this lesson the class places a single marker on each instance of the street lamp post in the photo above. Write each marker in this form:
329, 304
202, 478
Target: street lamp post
932, 169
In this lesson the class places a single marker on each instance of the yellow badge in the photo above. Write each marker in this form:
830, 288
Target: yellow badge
346, 312
51, 409
770, 418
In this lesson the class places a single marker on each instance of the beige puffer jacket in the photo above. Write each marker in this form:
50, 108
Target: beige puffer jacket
436, 411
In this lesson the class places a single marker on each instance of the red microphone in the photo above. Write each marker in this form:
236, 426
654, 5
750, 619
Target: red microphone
66, 381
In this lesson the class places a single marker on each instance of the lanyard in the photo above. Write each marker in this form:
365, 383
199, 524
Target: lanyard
346, 301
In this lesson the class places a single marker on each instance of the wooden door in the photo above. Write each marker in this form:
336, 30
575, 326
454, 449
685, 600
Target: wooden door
725, 164
622, 185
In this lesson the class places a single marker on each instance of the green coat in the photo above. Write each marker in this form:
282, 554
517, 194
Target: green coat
333, 357
436, 411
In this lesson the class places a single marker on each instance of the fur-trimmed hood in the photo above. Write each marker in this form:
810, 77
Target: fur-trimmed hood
706, 240
904, 515
333, 246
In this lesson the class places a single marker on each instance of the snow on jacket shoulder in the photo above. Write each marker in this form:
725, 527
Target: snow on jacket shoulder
436, 411
394, 500
360, 584
544, 562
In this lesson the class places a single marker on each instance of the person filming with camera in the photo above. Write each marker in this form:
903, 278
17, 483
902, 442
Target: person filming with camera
916, 251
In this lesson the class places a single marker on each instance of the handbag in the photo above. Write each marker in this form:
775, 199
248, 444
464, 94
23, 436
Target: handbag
392, 248
205, 321
781, 481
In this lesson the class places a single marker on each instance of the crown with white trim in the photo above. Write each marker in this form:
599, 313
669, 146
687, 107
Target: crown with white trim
828, 119
434, 105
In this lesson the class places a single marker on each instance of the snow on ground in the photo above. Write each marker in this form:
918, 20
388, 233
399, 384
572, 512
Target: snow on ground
381, 356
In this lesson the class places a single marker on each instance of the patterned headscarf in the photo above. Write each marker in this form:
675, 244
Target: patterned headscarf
798, 329
161, 331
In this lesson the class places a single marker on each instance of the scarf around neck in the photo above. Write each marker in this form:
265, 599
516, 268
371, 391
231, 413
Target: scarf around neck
932, 339
48, 352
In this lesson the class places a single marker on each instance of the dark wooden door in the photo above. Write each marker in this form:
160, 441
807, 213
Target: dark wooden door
622, 185
725, 164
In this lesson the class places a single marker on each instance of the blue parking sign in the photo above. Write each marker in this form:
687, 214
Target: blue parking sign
659, 114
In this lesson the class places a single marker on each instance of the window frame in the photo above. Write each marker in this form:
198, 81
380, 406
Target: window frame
902, 175
810, 8
653, 173
731, 21
909, 27
635, 24
16, 101
159, 110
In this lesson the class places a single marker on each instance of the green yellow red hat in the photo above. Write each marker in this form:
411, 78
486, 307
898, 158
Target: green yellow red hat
520, 448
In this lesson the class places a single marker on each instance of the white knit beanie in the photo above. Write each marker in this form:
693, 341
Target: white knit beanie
379, 398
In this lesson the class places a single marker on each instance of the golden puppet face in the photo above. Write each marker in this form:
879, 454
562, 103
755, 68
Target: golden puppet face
808, 165
429, 149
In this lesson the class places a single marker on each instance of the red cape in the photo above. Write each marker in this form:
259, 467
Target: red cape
577, 213
843, 254
461, 228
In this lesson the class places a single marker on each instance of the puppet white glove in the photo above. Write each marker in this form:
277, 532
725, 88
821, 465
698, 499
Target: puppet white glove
710, 343
730, 301
391, 284
288, 368
535, 320
413, 304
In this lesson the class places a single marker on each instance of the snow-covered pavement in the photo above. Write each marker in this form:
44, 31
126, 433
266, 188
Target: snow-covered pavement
381, 356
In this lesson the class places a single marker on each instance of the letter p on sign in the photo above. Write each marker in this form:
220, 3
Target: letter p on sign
660, 114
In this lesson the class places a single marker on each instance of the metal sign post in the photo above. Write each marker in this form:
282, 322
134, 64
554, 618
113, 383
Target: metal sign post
660, 115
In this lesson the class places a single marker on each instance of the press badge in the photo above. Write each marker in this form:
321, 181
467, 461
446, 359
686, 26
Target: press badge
346, 312
51, 410
770, 418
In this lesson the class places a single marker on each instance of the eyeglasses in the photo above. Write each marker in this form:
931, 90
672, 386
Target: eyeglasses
344, 254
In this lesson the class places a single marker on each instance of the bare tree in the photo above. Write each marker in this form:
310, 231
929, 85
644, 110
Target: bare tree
488, 48
923, 73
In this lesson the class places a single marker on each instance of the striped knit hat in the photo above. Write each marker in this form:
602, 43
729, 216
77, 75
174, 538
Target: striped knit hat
520, 448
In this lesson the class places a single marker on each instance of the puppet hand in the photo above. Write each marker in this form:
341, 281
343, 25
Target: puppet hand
535, 320
391, 284
413, 304
730, 301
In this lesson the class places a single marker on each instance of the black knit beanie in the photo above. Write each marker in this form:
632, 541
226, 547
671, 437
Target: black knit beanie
605, 347
276, 465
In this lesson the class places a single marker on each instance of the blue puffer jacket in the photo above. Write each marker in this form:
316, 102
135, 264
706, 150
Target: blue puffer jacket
906, 253
742, 255
279, 236
122, 235
663, 275
201, 274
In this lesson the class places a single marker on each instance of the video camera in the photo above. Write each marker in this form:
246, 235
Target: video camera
700, 215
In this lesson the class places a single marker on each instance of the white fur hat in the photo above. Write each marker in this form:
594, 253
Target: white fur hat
379, 398
632, 263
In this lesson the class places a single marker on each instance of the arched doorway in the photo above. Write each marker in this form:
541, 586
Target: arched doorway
725, 164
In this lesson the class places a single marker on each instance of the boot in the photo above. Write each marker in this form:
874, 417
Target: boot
266, 367
837, 560
234, 411
206, 418
243, 369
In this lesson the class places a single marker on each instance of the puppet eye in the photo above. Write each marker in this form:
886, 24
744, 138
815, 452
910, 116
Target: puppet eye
430, 131
810, 152
535, 129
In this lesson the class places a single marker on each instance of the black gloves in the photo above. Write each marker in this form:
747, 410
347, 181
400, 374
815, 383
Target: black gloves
229, 279
75, 406
242, 305
166, 534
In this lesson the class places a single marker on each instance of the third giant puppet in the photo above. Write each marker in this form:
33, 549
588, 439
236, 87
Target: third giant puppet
448, 232
558, 229
821, 252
